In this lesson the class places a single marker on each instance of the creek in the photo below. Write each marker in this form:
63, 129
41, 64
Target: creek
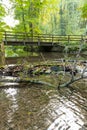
39, 107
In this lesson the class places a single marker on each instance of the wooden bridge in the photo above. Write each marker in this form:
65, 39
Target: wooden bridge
14, 39
23, 39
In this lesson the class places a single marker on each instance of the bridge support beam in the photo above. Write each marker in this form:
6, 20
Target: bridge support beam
2, 54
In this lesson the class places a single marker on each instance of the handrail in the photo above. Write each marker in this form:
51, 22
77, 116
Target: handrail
21, 36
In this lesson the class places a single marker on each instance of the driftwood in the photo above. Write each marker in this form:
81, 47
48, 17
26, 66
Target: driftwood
19, 68
71, 81
73, 78
17, 80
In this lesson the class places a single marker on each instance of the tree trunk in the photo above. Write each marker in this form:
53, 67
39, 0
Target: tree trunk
23, 17
2, 54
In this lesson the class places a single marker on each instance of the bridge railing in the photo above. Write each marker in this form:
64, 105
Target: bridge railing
23, 36
45, 38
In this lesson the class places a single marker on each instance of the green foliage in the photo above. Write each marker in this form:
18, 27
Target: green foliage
84, 11
2, 11
27, 12
18, 51
60, 17
3, 25
48, 16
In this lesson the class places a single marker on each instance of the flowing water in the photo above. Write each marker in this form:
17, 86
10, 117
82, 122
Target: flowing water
37, 107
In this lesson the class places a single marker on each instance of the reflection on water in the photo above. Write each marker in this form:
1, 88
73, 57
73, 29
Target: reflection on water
11, 92
43, 56
4, 81
67, 116
39, 109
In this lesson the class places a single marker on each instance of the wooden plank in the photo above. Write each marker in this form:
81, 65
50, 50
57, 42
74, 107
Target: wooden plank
24, 43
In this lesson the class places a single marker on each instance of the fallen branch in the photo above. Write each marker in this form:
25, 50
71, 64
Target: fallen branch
26, 81
71, 81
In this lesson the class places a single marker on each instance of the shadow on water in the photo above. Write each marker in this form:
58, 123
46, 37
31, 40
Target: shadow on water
35, 107
41, 57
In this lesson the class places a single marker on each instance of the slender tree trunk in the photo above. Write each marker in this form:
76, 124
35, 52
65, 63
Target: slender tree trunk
30, 9
23, 17
2, 54
31, 28
30, 23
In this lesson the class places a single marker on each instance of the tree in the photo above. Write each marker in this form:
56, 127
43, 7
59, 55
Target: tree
84, 10
3, 27
2, 15
84, 15
27, 12
47, 16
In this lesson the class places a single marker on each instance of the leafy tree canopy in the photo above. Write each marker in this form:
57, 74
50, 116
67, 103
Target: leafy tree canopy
84, 11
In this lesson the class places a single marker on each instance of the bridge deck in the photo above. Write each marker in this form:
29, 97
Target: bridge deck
11, 38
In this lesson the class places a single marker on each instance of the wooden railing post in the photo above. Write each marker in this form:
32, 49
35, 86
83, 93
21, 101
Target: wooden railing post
5, 37
82, 39
38, 38
68, 39
52, 39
